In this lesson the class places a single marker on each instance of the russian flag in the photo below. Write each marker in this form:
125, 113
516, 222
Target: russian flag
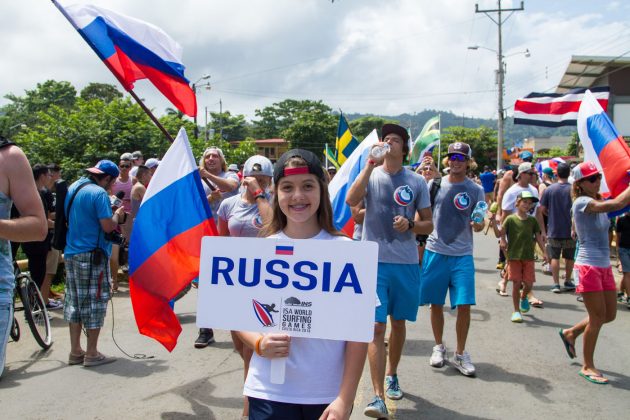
165, 243
283, 249
603, 146
133, 49
341, 183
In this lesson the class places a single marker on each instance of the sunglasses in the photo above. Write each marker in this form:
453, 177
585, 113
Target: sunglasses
125, 166
593, 178
458, 158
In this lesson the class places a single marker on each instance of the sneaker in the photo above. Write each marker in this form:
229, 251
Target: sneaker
376, 409
620, 297
54, 305
524, 306
516, 317
206, 337
628, 302
438, 356
464, 364
392, 388
500, 265
555, 288
579, 298
545, 269
568, 285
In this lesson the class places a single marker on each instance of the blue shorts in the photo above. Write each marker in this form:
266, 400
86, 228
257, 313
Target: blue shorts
442, 273
267, 410
624, 259
397, 289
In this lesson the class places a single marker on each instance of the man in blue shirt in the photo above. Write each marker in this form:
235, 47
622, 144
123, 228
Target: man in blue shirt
487, 181
88, 248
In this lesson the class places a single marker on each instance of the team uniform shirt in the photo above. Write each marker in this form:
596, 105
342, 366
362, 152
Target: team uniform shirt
400, 194
592, 232
243, 219
522, 237
118, 186
90, 205
7, 280
314, 368
557, 200
510, 196
487, 181
214, 204
454, 203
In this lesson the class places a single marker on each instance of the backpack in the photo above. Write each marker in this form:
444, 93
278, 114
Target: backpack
62, 215
435, 187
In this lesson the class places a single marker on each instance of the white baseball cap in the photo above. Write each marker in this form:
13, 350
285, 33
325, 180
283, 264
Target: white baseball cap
258, 165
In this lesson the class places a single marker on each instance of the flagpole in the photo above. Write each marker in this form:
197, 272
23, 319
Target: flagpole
439, 142
131, 92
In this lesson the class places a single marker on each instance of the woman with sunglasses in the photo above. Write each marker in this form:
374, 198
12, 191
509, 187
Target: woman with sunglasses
596, 281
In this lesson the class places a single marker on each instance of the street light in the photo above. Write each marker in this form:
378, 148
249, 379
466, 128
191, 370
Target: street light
500, 72
194, 89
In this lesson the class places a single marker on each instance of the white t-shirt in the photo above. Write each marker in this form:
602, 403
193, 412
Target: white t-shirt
509, 198
314, 367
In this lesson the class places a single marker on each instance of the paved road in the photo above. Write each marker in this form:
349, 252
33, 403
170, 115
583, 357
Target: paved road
523, 370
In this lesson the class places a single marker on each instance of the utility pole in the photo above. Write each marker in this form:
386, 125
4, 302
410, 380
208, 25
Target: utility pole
500, 71
206, 115
221, 118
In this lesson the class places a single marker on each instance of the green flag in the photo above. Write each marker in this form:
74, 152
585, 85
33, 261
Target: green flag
428, 138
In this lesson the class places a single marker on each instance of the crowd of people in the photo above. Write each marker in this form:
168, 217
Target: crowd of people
423, 221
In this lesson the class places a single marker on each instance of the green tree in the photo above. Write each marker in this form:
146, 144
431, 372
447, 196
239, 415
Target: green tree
311, 131
278, 117
103, 91
233, 127
363, 126
573, 148
482, 140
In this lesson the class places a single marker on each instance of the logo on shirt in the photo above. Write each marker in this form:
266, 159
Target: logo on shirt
462, 201
263, 313
257, 222
403, 195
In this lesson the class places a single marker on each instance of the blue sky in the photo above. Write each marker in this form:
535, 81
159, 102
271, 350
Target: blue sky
373, 56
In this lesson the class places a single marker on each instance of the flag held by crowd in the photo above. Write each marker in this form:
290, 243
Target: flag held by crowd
346, 142
133, 50
426, 141
329, 158
603, 146
555, 109
341, 183
166, 241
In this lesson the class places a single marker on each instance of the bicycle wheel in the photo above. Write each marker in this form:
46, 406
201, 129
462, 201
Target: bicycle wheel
15, 331
35, 312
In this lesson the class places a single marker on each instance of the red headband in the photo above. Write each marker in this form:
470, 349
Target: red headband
296, 171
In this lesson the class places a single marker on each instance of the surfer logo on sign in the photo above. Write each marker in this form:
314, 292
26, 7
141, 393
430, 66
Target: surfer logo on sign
263, 313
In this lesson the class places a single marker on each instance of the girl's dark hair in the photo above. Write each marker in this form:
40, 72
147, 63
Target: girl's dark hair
324, 213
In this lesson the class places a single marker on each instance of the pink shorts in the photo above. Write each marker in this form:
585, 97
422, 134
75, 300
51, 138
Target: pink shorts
521, 270
594, 279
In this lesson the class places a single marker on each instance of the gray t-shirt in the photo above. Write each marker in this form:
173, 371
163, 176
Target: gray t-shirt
454, 203
401, 194
557, 200
214, 205
592, 232
243, 219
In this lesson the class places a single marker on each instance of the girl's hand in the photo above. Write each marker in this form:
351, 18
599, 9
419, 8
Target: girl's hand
336, 410
251, 184
275, 345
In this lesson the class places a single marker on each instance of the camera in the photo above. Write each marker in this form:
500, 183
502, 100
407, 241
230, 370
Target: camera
115, 237
421, 240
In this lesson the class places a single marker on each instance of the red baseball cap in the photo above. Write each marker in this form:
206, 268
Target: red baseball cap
584, 170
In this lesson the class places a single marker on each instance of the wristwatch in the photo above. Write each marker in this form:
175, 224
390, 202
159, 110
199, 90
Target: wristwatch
411, 223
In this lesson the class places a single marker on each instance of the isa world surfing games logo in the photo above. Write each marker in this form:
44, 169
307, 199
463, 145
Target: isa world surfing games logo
403, 196
263, 313
461, 201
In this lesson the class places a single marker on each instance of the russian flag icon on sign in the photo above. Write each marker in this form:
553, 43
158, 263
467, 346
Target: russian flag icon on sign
284, 249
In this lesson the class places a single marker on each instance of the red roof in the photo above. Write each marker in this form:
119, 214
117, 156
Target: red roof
270, 141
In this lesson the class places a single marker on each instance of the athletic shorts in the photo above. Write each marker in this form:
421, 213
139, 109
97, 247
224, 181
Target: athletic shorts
268, 410
594, 279
624, 259
443, 273
52, 261
397, 289
521, 270
87, 290
563, 246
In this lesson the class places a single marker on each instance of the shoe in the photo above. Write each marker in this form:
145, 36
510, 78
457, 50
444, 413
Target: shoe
579, 298
628, 302
620, 297
76, 359
53, 305
392, 388
101, 359
516, 317
555, 288
376, 409
500, 265
569, 286
463, 363
206, 337
545, 269
438, 356
524, 306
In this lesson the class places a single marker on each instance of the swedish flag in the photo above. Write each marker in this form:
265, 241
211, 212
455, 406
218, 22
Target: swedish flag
346, 142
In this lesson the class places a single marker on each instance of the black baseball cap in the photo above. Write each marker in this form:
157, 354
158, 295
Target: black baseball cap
394, 129
313, 165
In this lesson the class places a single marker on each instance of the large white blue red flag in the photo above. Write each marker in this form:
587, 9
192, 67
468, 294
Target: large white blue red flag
341, 183
166, 241
603, 146
133, 49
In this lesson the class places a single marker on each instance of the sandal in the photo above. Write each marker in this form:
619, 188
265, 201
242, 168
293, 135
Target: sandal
570, 348
595, 378
500, 289
76, 359
536, 303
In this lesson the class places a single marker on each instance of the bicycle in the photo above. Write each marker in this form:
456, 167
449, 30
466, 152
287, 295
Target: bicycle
34, 309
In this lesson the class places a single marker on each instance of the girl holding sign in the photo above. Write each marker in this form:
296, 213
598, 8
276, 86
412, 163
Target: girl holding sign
321, 375
243, 216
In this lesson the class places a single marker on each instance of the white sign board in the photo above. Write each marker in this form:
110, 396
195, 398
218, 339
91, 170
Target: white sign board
302, 287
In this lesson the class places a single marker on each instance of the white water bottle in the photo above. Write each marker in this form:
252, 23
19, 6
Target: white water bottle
479, 212
379, 151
